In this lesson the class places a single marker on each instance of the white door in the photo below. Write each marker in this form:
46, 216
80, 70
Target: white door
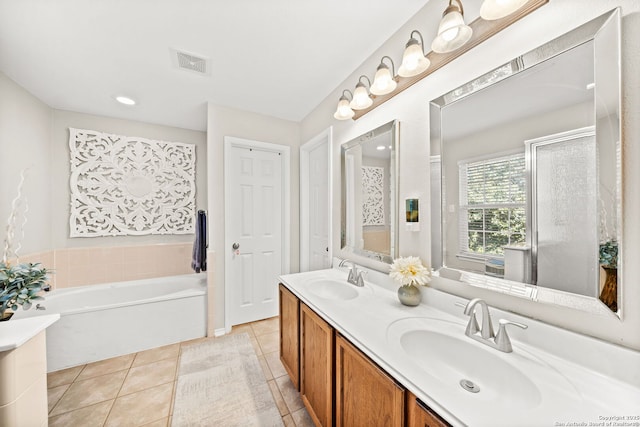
254, 231
315, 203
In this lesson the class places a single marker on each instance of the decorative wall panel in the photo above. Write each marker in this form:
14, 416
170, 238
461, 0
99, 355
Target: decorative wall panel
372, 195
130, 186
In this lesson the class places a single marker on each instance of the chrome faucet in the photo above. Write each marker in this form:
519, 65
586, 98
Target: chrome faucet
354, 277
360, 278
485, 334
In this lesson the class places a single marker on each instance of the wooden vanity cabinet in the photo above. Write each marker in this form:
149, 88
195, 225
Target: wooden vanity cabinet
365, 394
338, 383
419, 415
316, 366
290, 334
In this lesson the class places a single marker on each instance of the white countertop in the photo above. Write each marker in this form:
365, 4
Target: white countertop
582, 394
15, 332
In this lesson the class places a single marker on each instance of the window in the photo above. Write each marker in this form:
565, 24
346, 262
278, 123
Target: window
492, 204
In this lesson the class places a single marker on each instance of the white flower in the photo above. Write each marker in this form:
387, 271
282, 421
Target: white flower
409, 269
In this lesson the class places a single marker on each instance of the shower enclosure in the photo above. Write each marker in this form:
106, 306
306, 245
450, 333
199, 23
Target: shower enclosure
563, 205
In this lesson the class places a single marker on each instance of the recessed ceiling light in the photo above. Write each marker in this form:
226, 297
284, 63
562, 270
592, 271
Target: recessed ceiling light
125, 100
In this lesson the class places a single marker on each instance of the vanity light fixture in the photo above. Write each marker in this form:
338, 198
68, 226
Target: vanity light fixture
383, 82
344, 111
414, 60
453, 40
361, 98
496, 9
453, 33
380, 147
125, 100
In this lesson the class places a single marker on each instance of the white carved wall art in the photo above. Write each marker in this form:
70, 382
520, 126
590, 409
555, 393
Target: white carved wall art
372, 195
130, 186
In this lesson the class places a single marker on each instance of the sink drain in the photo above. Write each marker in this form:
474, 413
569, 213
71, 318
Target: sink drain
470, 386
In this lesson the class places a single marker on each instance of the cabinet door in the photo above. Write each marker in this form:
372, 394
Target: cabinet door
316, 366
289, 334
365, 395
419, 415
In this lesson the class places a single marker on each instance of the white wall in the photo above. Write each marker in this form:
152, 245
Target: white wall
223, 122
25, 127
412, 109
60, 172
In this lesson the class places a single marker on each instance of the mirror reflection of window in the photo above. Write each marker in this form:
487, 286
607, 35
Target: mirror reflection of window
492, 204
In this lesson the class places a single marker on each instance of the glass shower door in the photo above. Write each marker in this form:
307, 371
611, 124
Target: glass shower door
564, 211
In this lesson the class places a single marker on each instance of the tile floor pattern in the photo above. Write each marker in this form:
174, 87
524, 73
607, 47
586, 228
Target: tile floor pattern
138, 389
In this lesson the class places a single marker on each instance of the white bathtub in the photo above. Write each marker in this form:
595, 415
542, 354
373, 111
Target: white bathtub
102, 321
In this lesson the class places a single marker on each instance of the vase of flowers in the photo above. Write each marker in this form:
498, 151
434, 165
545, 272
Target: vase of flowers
409, 273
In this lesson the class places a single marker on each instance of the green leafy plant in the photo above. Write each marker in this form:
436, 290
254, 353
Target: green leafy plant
609, 254
20, 284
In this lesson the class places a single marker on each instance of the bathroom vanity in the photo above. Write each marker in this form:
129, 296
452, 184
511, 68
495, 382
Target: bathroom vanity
23, 371
359, 357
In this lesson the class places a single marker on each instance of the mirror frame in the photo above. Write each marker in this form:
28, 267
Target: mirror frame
394, 128
582, 34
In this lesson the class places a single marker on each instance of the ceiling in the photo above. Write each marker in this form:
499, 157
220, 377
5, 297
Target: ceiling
558, 82
275, 57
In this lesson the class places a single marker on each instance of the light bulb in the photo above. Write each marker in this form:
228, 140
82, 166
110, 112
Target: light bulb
383, 82
413, 60
343, 112
496, 9
361, 98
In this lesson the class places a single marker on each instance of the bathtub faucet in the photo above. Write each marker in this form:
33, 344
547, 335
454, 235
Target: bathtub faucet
40, 307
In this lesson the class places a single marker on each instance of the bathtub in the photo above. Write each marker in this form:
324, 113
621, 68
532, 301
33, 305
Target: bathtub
102, 321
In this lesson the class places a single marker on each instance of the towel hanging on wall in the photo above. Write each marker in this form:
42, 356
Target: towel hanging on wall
199, 256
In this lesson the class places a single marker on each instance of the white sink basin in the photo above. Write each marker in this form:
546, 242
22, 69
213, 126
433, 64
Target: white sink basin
476, 372
332, 289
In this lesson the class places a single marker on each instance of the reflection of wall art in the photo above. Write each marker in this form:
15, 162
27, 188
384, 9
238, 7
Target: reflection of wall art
372, 195
130, 186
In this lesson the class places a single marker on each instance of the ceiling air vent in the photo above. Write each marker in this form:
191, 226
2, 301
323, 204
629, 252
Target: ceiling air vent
190, 61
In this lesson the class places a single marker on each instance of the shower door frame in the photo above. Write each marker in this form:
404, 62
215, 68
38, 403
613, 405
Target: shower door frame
531, 174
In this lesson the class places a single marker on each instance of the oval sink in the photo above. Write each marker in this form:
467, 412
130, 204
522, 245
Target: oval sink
453, 360
476, 373
332, 289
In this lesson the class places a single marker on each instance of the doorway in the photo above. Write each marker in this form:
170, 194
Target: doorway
316, 202
257, 218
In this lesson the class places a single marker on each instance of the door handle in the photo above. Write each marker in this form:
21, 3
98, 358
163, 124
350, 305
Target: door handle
235, 246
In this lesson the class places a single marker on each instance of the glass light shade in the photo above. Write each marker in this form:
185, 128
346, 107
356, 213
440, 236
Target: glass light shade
361, 98
496, 9
413, 60
452, 33
383, 82
343, 112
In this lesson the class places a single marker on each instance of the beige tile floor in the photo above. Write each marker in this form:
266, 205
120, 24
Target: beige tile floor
138, 389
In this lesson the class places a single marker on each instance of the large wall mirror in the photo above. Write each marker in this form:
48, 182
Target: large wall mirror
369, 193
530, 161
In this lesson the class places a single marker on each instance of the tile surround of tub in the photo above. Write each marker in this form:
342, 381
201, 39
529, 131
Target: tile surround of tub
91, 266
